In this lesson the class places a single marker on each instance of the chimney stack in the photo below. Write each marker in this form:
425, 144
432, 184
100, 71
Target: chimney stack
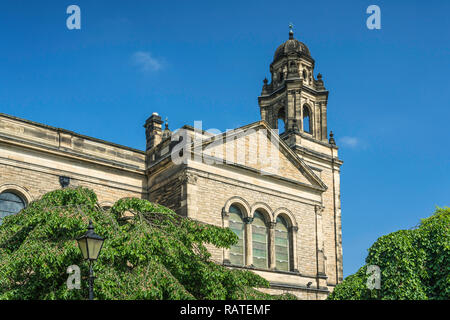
153, 130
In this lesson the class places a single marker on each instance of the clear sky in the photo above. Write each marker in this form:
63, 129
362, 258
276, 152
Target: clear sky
205, 60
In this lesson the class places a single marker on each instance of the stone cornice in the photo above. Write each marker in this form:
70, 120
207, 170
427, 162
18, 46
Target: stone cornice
8, 140
298, 55
319, 155
74, 175
308, 137
284, 88
4, 115
293, 286
280, 284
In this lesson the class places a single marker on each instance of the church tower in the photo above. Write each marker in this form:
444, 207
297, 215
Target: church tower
294, 102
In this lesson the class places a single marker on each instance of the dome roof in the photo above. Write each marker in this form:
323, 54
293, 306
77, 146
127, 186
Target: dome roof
291, 46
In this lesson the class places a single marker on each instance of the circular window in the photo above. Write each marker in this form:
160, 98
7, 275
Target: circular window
10, 203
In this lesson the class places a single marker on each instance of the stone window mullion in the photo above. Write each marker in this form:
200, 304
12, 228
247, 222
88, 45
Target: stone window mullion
272, 259
293, 230
248, 241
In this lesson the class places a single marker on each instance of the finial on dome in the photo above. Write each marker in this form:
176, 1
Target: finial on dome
291, 31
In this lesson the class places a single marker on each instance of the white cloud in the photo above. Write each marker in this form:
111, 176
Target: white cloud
146, 62
351, 142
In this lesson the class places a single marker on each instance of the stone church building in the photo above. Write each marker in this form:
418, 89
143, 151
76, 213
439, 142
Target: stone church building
280, 193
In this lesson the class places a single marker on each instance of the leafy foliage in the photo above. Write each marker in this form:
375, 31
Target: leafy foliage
149, 253
415, 264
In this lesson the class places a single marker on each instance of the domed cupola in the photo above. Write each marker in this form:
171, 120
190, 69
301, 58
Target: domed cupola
291, 47
292, 61
294, 101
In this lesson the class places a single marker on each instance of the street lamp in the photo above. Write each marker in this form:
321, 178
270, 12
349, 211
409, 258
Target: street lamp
90, 245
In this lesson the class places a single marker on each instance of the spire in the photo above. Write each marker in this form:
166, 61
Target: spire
291, 31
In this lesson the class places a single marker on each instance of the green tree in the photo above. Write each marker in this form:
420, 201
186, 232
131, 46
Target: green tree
414, 264
149, 253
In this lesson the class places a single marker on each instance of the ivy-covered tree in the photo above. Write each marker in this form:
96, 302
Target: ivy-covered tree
414, 264
149, 253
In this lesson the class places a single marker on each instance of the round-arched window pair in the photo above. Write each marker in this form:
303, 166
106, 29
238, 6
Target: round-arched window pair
10, 203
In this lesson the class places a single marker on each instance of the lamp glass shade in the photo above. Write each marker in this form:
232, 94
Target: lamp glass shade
82, 243
90, 244
94, 246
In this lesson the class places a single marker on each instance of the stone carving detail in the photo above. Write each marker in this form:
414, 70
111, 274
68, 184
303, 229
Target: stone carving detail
319, 209
248, 220
188, 177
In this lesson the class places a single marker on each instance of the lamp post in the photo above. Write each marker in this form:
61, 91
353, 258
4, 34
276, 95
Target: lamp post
90, 245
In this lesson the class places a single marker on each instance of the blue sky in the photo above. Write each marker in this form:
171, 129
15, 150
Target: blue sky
205, 60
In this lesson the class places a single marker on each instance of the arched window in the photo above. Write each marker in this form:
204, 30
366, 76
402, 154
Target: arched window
259, 241
282, 244
306, 119
280, 121
237, 251
281, 128
10, 203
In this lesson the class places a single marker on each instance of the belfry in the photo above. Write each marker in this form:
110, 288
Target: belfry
294, 101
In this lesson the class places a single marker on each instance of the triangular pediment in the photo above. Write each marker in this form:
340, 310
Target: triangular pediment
258, 148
